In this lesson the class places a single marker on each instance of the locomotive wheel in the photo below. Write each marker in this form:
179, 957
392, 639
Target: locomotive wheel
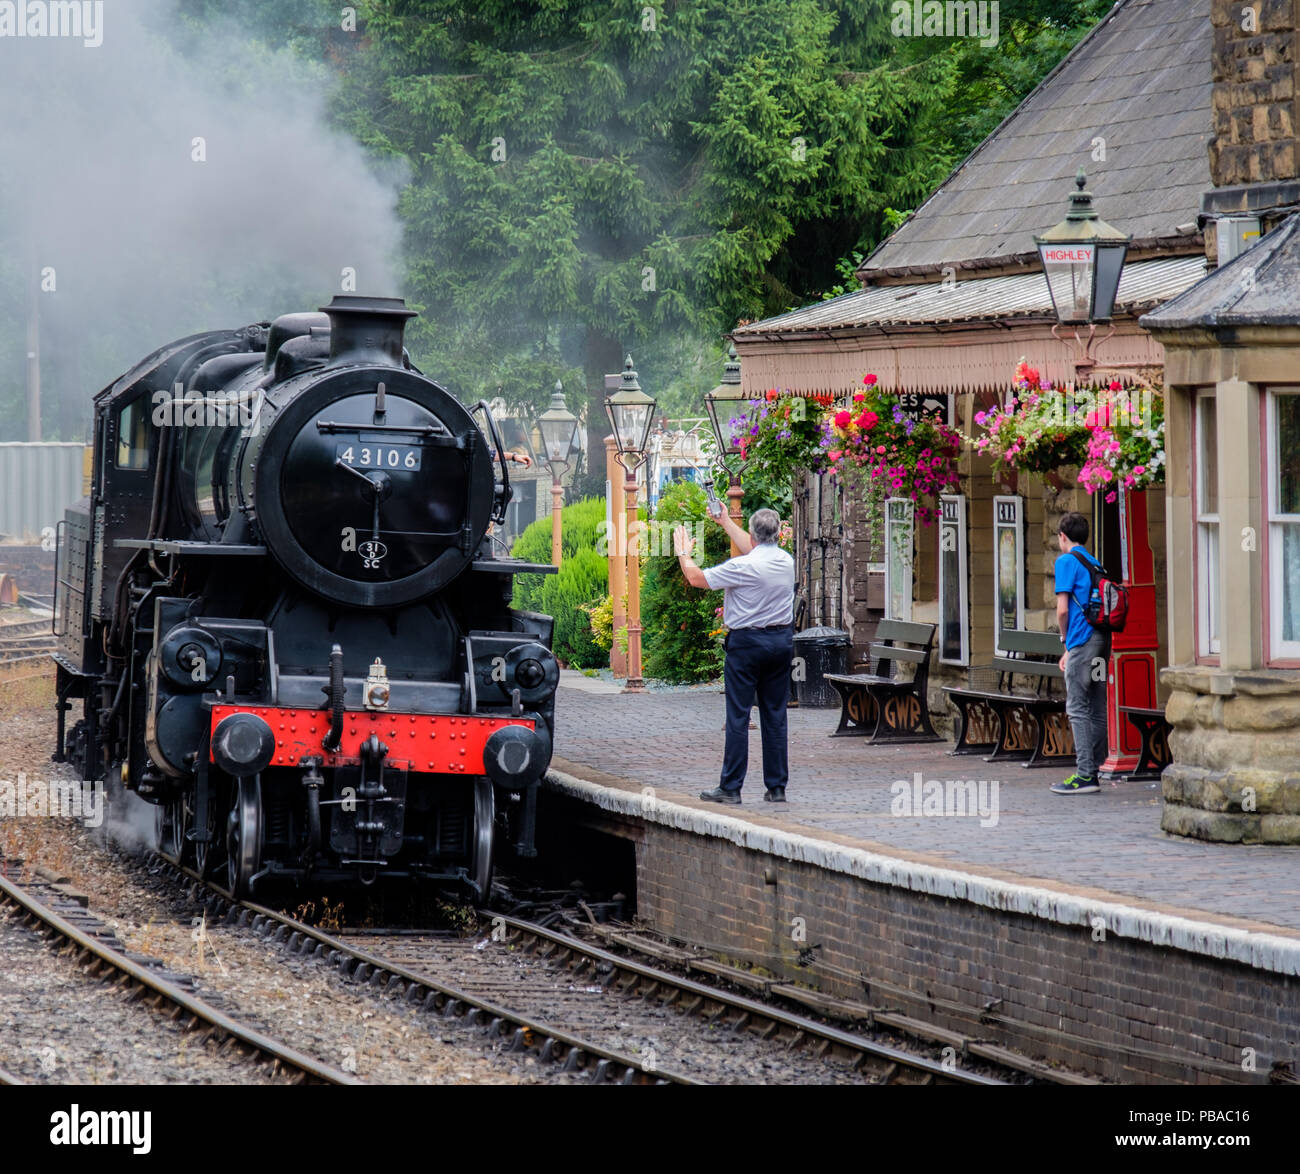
169, 829
244, 835
481, 854
202, 848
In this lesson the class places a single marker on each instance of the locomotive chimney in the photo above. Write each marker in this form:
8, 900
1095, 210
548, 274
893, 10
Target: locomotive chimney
367, 330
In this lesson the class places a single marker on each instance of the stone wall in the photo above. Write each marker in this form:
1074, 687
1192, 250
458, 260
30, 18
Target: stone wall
1254, 101
1236, 748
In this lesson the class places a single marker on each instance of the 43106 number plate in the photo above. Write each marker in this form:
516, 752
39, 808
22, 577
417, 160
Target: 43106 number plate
399, 457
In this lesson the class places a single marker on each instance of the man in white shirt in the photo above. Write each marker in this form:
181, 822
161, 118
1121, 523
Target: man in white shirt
758, 612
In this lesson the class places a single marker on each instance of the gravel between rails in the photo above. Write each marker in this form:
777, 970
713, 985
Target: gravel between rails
547, 989
58, 1025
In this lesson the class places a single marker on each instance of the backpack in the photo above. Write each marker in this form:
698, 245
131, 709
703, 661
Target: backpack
1107, 606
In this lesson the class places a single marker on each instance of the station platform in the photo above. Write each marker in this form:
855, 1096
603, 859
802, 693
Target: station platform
1068, 928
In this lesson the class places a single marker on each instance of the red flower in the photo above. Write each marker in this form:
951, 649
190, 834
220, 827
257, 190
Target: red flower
842, 419
773, 393
867, 421
1116, 385
869, 380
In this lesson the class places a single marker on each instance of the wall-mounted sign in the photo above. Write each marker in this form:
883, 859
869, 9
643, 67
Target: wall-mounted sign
1008, 567
954, 612
921, 403
898, 558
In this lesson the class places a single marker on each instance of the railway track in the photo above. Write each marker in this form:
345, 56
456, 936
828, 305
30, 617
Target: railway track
59, 918
23, 642
565, 1023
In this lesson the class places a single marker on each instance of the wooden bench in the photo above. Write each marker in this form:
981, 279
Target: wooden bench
1004, 722
1153, 728
883, 704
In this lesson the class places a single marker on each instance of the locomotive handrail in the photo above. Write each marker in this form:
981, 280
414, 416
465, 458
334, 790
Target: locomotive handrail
54, 608
416, 429
503, 496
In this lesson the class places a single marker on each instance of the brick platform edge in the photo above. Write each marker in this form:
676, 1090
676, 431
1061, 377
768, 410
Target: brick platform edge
1105, 989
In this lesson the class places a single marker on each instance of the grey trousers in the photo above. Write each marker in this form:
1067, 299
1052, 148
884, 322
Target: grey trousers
1085, 701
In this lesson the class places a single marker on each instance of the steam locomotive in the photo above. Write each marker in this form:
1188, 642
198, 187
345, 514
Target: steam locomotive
281, 613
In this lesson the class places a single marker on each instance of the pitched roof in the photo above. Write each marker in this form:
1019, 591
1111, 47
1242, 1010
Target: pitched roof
1257, 288
1019, 295
1141, 81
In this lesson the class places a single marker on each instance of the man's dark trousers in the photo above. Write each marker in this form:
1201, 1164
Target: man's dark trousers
758, 663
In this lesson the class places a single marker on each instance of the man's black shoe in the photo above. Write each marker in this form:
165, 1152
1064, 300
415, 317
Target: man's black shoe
718, 795
774, 794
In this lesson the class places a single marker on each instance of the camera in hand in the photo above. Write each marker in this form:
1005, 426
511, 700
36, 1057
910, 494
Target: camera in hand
715, 506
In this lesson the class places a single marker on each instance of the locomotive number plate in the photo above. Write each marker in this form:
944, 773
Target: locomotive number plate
379, 456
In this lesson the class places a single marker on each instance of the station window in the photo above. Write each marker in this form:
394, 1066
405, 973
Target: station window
1283, 449
898, 558
1008, 567
133, 435
1208, 605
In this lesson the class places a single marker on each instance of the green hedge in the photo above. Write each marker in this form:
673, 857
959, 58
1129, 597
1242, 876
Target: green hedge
677, 643
583, 579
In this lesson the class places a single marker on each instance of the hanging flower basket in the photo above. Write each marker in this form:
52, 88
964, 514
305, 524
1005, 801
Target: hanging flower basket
893, 454
1111, 435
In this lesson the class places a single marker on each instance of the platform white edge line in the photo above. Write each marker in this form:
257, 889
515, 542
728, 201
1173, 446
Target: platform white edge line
1262, 951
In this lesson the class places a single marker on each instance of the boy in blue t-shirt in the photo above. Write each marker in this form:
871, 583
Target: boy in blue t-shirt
1086, 662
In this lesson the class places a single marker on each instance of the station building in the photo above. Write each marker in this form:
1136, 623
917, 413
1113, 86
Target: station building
1183, 117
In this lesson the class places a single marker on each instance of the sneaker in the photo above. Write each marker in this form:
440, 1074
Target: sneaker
1076, 784
718, 795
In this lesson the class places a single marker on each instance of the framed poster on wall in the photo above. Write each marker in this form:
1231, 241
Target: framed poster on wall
1008, 567
954, 612
898, 559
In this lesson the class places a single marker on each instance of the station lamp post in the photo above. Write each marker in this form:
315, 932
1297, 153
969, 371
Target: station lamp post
559, 429
631, 413
1083, 258
724, 403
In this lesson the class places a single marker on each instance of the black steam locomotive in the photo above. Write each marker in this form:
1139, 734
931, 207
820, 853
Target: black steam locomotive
281, 612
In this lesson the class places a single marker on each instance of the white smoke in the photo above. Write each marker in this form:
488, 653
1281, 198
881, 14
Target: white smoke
160, 191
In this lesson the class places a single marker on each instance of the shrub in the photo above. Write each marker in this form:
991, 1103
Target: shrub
602, 622
582, 581
679, 639
579, 530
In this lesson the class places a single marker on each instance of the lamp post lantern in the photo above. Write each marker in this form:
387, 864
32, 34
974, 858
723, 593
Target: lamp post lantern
559, 429
1083, 258
723, 404
631, 414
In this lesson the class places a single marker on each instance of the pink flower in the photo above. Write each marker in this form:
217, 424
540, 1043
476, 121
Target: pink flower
835, 454
1139, 469
869, 380
880, 448
842, 419
858, 397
